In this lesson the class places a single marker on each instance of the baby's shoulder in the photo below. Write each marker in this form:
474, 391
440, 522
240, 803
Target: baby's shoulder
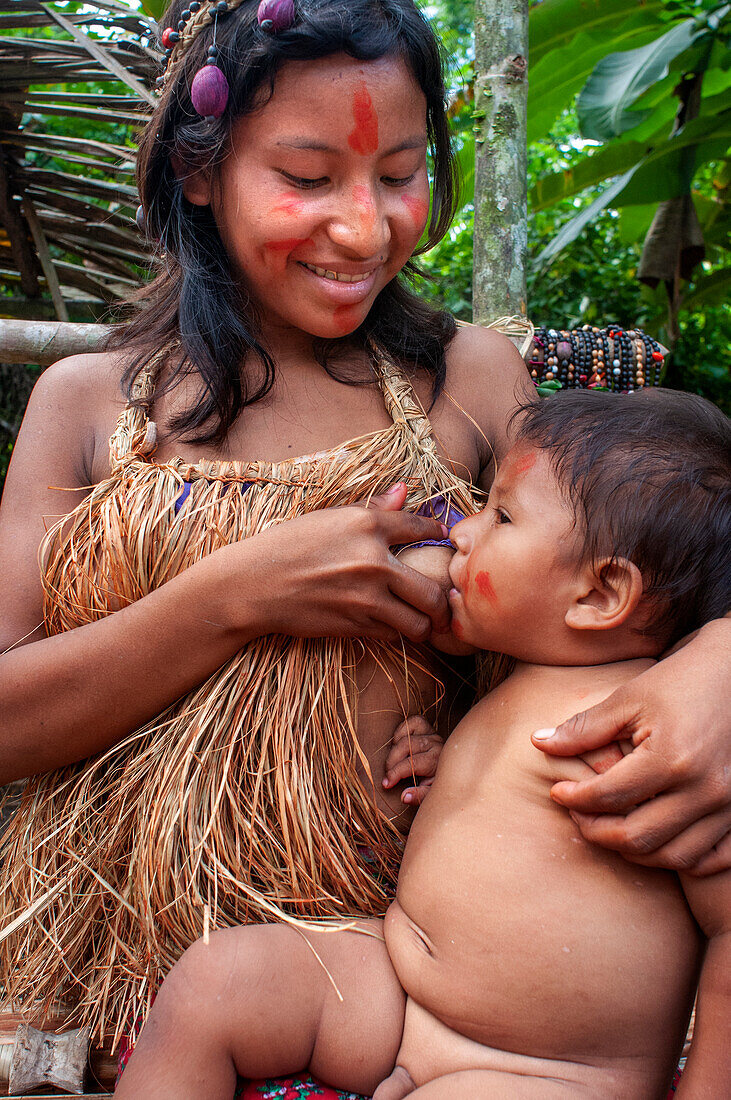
557, 690
541, 697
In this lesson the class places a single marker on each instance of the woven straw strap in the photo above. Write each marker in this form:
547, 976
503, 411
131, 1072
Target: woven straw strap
135, 433
401, 402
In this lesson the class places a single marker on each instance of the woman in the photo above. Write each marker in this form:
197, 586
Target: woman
241, 653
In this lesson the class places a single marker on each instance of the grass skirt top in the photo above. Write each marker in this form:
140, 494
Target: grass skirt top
241, 802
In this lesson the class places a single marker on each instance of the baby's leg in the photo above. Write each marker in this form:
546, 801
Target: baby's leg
256, 1001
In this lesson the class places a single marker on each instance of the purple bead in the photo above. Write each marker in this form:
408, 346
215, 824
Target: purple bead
209, 92
279, 13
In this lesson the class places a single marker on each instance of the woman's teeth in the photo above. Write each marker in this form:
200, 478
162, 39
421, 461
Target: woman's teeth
336, 276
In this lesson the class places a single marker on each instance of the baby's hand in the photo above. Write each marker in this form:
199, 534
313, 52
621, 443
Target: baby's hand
415, 752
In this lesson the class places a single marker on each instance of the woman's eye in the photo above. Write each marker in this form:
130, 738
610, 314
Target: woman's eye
303, 182
394, 181
501, 516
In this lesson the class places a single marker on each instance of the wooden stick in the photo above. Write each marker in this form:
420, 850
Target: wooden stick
43, 342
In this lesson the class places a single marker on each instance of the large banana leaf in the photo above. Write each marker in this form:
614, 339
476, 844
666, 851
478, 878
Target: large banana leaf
75, 84
557, 76
554, 23
658, 153
620, 79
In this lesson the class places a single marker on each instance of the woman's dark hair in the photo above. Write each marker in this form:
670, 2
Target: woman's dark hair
194, 296
649, 478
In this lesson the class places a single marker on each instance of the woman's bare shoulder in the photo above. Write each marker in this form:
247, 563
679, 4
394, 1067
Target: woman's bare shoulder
74, 406
488, 378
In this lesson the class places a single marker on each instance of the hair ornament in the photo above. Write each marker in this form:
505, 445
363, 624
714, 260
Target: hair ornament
275, 16
176, 41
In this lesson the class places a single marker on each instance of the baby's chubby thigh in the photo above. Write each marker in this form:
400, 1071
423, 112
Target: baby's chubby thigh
328, 1002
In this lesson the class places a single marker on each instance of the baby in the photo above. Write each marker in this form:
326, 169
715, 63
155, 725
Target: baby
517, 960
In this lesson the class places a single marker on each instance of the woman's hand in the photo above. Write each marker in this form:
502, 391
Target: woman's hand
331, 573
415, 751
668, 803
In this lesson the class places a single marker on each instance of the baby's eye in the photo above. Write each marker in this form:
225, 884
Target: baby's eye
303, 182
501, 516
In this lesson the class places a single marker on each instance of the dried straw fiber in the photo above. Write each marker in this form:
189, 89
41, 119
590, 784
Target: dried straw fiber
241, 801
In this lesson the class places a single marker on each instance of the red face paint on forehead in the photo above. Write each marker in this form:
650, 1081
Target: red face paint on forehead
525, 463
484, 586
289, 244
364, 138
418, 208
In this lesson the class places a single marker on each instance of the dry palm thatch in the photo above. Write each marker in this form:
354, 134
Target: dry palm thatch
75, 85
249, 798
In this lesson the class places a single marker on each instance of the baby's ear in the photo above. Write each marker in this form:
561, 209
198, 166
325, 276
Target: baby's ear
196, 181
606, 594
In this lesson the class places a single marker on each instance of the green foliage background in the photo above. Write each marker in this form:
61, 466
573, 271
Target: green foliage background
593, 280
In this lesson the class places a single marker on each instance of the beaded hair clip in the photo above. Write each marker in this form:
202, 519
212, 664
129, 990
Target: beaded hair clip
209, 90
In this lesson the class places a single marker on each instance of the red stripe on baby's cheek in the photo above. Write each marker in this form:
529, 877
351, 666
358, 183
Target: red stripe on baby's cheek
364, 138
418, 208
289, 244
484, 585
457, 629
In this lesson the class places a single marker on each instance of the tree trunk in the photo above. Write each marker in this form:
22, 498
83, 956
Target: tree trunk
501, 158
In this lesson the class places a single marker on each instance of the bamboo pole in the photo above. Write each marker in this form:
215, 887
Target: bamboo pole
43, 342
501, 158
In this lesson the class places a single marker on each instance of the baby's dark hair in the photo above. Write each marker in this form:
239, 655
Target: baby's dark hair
649, 478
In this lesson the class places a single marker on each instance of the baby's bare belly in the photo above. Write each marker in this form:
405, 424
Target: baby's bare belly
526, 952
431, 1050
460, 1019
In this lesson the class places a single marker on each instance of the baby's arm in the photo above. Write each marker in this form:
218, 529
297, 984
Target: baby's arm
708, 1071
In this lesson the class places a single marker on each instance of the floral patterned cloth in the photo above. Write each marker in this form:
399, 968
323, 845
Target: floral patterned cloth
292, 1088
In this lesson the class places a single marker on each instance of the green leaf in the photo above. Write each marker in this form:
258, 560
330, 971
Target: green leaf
466, 161
561, 74
667, 172
553, 23
571, 230
154, 8
621, 78
661, 154
710, 288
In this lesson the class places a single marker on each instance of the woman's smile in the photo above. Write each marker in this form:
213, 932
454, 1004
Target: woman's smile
325, 194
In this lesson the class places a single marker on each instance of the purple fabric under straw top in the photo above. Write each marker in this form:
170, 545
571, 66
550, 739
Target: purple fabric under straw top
436, 508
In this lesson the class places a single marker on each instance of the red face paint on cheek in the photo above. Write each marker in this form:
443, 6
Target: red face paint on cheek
418, 208
289, 244
364, 138
289, 204
485, 587
457, 629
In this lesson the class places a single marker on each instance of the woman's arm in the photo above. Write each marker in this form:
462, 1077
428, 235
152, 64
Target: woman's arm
66, 697
679, 775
